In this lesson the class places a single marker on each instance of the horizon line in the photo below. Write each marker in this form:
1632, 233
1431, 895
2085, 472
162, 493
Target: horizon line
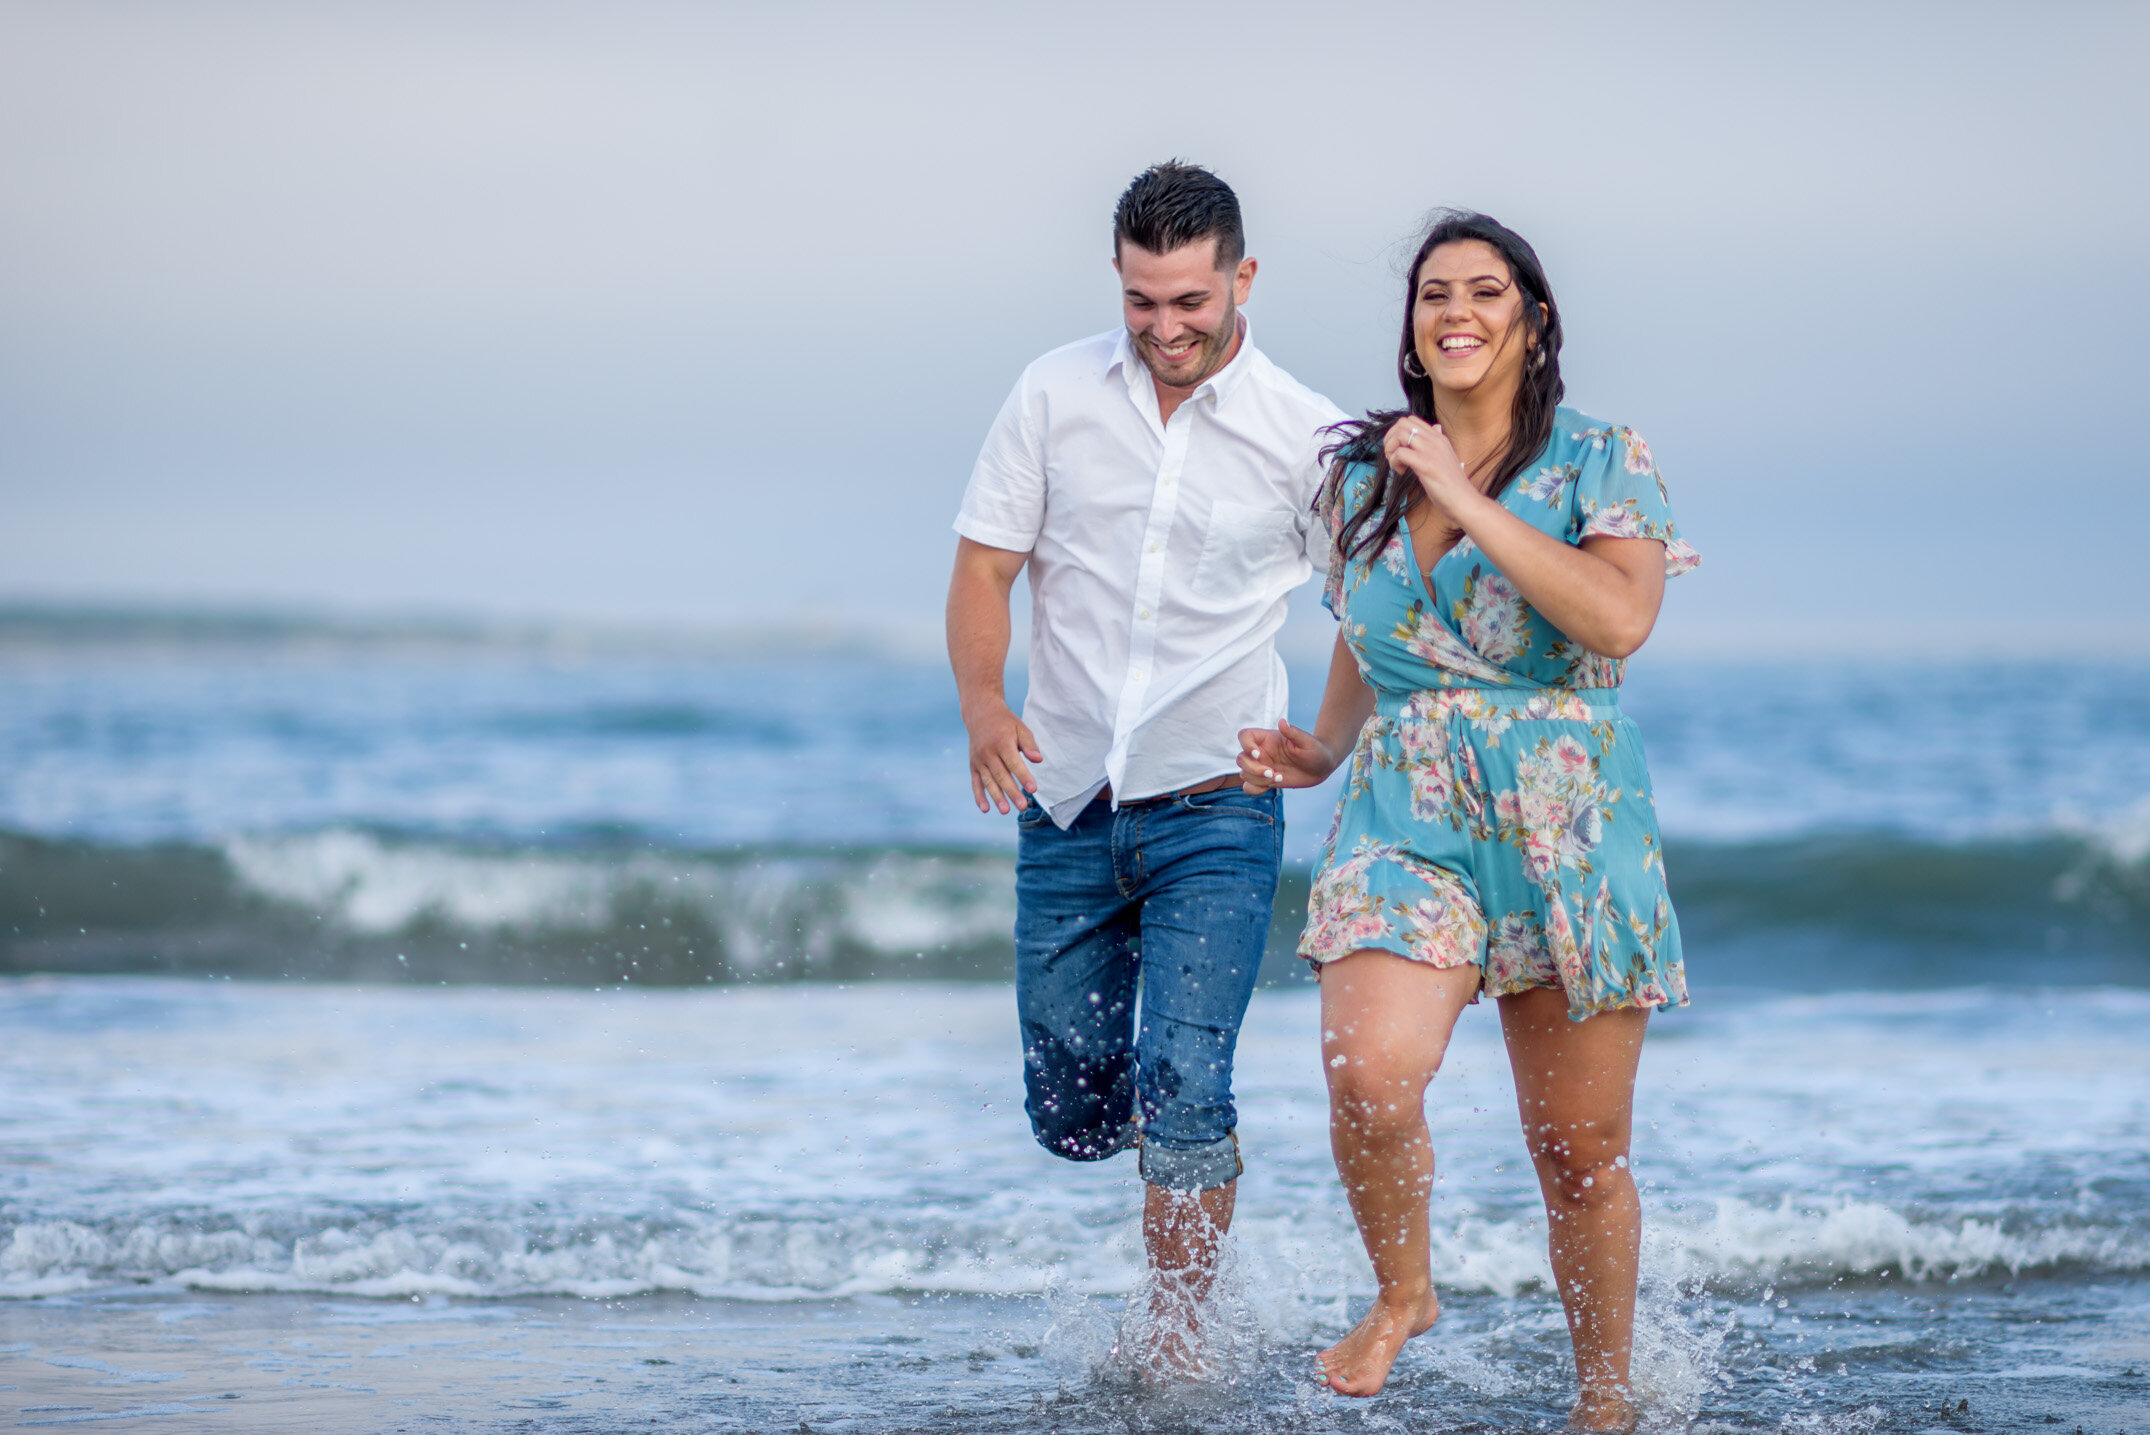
29, 624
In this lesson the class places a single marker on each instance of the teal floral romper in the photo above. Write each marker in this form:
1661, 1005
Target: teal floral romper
1497, 810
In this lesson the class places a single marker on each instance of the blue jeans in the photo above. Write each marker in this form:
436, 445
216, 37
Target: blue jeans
1171, 895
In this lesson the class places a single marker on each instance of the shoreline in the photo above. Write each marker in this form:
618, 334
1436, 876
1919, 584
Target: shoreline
167, 1358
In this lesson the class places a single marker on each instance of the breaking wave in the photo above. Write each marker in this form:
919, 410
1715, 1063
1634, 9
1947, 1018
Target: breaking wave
1733, 1246
359, 905
1819, 911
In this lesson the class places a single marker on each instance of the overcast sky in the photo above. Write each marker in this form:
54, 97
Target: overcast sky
698, 313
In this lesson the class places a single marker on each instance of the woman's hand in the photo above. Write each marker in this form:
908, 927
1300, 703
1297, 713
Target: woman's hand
1603, 593
1420, 449
1282, 756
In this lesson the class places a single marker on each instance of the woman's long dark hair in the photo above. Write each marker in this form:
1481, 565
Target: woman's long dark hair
1369, 528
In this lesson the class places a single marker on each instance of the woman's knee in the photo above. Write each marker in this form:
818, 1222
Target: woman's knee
1377, 1096
1582, 1167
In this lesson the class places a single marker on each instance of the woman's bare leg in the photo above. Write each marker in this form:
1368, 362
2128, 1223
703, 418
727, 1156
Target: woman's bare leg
1575, 1085
1385, 1023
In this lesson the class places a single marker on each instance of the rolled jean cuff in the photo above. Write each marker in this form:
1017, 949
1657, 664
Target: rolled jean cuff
1194, 1168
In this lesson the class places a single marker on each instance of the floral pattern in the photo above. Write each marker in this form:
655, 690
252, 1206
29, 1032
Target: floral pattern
1556, 814
1348, 911
1424, 636
1518, 957
1549, 483
1497, 807
1492, 617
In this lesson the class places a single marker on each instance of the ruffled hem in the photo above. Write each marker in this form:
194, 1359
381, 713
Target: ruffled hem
1672, 993
1439, 961
1435, 918
1652, 1001
1680, 555
1443, 928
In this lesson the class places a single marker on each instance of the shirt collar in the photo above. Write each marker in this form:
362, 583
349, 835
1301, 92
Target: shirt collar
1221, 383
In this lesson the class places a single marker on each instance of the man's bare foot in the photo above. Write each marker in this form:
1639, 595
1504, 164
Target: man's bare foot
1160, 1340
1604, 1413
1359, 1363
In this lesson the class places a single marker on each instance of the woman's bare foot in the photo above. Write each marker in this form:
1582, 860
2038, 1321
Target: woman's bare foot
1604, 1413
1359, 1363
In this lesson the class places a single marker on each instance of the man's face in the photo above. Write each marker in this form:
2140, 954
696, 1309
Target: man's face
1182, 310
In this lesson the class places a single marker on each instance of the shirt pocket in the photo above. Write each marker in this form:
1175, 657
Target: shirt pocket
1245, 547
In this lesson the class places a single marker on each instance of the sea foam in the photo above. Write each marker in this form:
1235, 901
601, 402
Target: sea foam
818, 1258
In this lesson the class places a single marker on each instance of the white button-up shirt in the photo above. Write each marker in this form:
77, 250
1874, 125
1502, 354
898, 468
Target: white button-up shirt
1160, 558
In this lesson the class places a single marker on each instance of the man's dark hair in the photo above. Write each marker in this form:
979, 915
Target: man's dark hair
1173, 204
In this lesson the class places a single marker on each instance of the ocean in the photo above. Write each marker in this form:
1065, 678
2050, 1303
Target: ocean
451, 1036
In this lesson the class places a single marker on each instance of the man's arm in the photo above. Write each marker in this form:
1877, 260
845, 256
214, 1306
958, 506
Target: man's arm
978, 651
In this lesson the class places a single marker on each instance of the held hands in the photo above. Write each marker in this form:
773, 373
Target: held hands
1282, 756
999, 743
1420, 449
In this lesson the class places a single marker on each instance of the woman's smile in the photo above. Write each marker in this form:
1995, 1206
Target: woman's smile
1465, 308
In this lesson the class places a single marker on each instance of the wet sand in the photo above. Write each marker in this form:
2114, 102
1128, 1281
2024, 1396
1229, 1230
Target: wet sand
1878, 1357
306, 1363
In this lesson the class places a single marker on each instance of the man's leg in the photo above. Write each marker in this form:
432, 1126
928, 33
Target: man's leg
1181, 1231
1076, 939
1209, 866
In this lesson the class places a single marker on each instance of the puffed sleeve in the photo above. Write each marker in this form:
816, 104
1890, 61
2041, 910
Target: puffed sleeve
1004, 503
1620, 494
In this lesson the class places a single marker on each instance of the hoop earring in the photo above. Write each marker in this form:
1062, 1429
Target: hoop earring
1412, 366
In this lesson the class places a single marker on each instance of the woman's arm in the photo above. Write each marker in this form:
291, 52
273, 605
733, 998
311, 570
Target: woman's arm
1604, 594
1287, 756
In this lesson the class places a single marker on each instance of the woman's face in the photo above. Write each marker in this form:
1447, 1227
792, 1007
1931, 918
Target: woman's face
1465, 319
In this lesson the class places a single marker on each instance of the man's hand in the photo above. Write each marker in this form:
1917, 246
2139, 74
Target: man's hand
999, 745
1282, 756
1001, 748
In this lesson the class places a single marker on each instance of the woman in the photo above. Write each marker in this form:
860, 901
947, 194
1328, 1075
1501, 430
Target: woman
1494, 557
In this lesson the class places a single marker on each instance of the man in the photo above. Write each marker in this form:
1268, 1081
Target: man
1157, 481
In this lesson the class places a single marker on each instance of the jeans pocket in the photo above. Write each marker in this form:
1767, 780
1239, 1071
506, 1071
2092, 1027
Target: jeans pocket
1233, 802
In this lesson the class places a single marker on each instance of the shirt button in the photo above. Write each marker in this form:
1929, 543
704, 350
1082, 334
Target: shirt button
1145, 612
1153, 548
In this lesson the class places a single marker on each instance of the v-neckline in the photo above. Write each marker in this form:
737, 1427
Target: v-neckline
1410, 549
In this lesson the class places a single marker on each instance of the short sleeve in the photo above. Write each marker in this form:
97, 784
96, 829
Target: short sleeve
1311, 472
1620, 494
1004, 503
1335, 505
1318, 545
1315, 539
